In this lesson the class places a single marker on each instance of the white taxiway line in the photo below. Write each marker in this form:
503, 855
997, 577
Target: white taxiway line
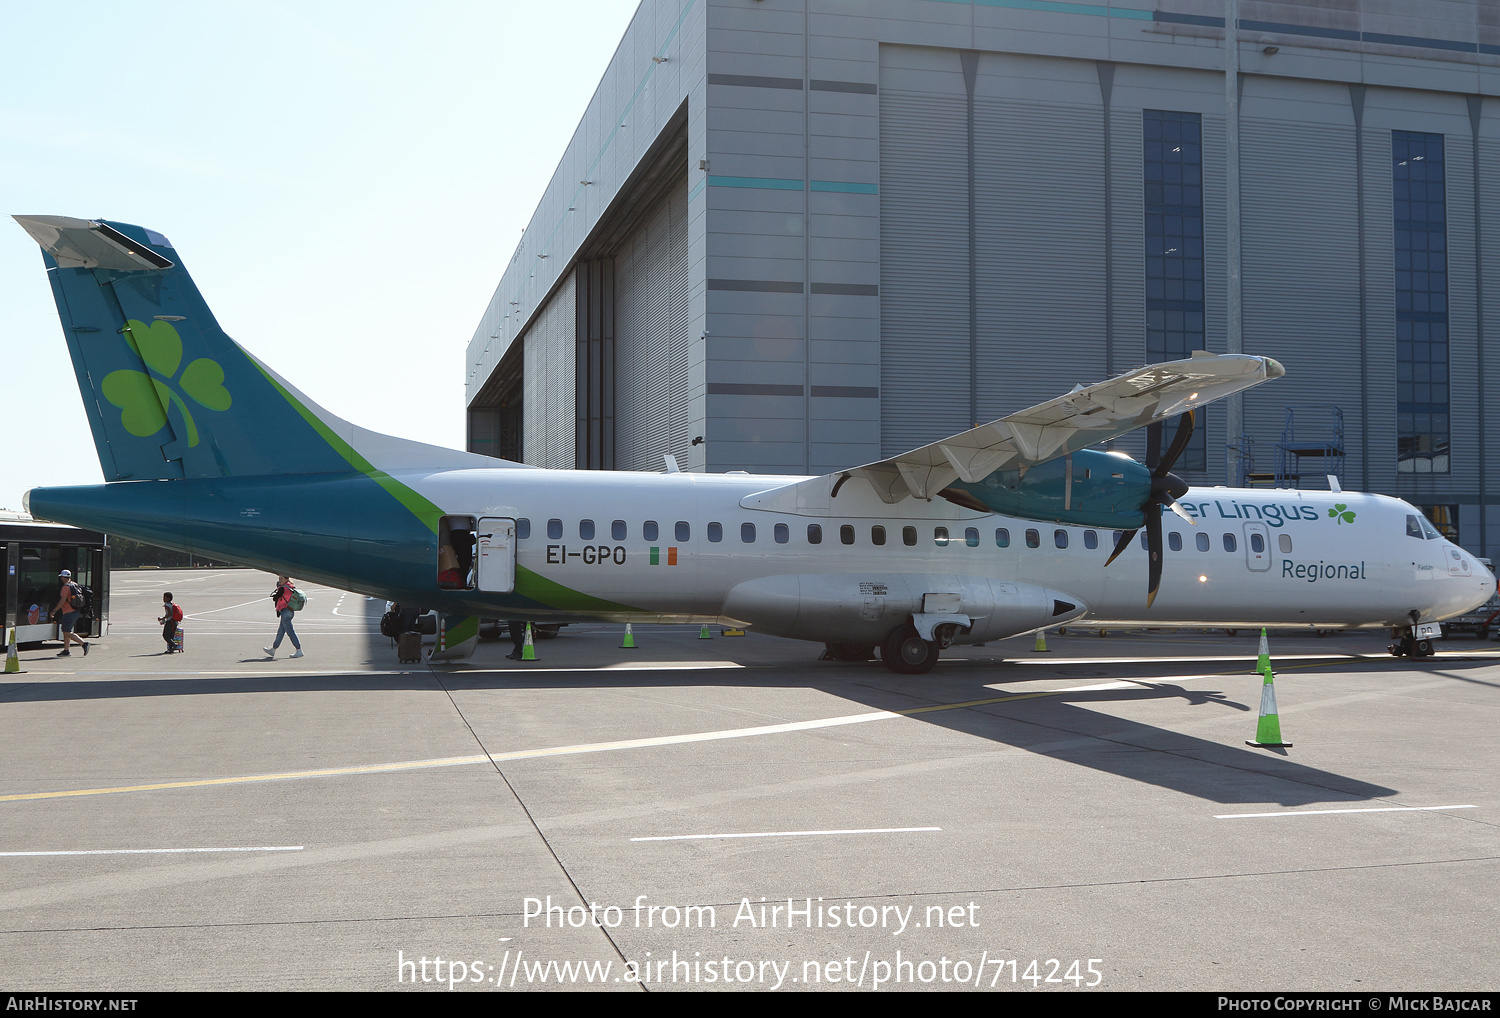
1322, 812
788, 834
160, 851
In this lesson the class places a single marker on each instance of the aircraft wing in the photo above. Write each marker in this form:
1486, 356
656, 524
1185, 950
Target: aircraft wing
1086, 416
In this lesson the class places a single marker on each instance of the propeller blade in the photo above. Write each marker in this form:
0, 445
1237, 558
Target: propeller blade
1153, 551
1153, 445
1177, 508
1126, 536
1185, 425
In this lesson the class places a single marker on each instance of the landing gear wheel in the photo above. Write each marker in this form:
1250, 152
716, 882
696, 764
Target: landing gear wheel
850, 651
906, 653
1423, 649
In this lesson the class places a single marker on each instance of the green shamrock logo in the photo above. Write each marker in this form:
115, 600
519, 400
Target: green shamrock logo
1341, 513
143, 399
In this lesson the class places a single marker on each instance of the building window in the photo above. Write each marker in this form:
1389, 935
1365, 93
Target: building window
1444, 518
1173, 158
1418, 197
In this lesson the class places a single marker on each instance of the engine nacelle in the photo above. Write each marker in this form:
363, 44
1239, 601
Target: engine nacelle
1105, 489
862, 608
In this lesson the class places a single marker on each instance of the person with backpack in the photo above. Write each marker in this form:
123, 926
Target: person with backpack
289, 600
171, 614
69, 600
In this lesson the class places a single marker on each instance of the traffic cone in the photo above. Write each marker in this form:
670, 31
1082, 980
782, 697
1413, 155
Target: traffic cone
629, 643
704, 634
528, 651
12, 662
1268, 730
1040, 647
1263, 666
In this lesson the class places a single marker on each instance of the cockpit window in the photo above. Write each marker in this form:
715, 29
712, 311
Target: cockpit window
1430, 531
1413, 527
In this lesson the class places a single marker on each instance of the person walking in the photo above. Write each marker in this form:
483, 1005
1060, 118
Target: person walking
171, 614
69, 600
282, 596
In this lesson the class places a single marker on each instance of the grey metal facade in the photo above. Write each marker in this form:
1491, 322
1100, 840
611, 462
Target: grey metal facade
796, 235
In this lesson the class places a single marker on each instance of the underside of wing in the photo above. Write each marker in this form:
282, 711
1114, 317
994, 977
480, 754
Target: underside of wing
1086, 416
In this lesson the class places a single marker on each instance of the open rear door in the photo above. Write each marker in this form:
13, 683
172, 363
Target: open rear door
497, 555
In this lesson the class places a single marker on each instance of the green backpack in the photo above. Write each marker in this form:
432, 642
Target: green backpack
296, 600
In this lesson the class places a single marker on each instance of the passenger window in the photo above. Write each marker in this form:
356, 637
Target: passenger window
1174, 541
971, 537
1229, 542
1285, 540
747, 533
940, 536
554, 529
1201, 540
649, 530
1145, 543
877, 536
586, 530
814, 534
846, 534
781, 533
1257, 544
1060, 538
1033, 539
617, 530
715, 533
523, 529
1002, 538
1090, 539
909, 536
684, 532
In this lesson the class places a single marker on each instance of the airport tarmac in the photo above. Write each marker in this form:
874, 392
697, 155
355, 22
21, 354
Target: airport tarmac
735, 814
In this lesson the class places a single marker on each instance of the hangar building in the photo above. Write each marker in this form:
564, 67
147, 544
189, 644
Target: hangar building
792, 236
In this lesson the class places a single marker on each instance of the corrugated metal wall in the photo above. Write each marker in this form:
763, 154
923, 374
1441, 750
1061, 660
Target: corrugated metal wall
651, 338
549, 434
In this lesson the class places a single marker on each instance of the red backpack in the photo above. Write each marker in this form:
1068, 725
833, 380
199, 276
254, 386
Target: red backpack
177, 613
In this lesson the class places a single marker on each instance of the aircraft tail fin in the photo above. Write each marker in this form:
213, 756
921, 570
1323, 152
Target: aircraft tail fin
167, 393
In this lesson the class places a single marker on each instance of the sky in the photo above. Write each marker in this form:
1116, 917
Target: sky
345, 181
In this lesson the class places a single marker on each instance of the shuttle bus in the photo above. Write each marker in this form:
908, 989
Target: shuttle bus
33, 554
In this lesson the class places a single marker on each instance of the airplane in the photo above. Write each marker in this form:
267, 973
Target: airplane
1009, 528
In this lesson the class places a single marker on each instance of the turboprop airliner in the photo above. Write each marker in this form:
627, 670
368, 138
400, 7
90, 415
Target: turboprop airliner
1006, 529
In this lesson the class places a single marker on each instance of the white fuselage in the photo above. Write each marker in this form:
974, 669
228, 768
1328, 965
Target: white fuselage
1254, 557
